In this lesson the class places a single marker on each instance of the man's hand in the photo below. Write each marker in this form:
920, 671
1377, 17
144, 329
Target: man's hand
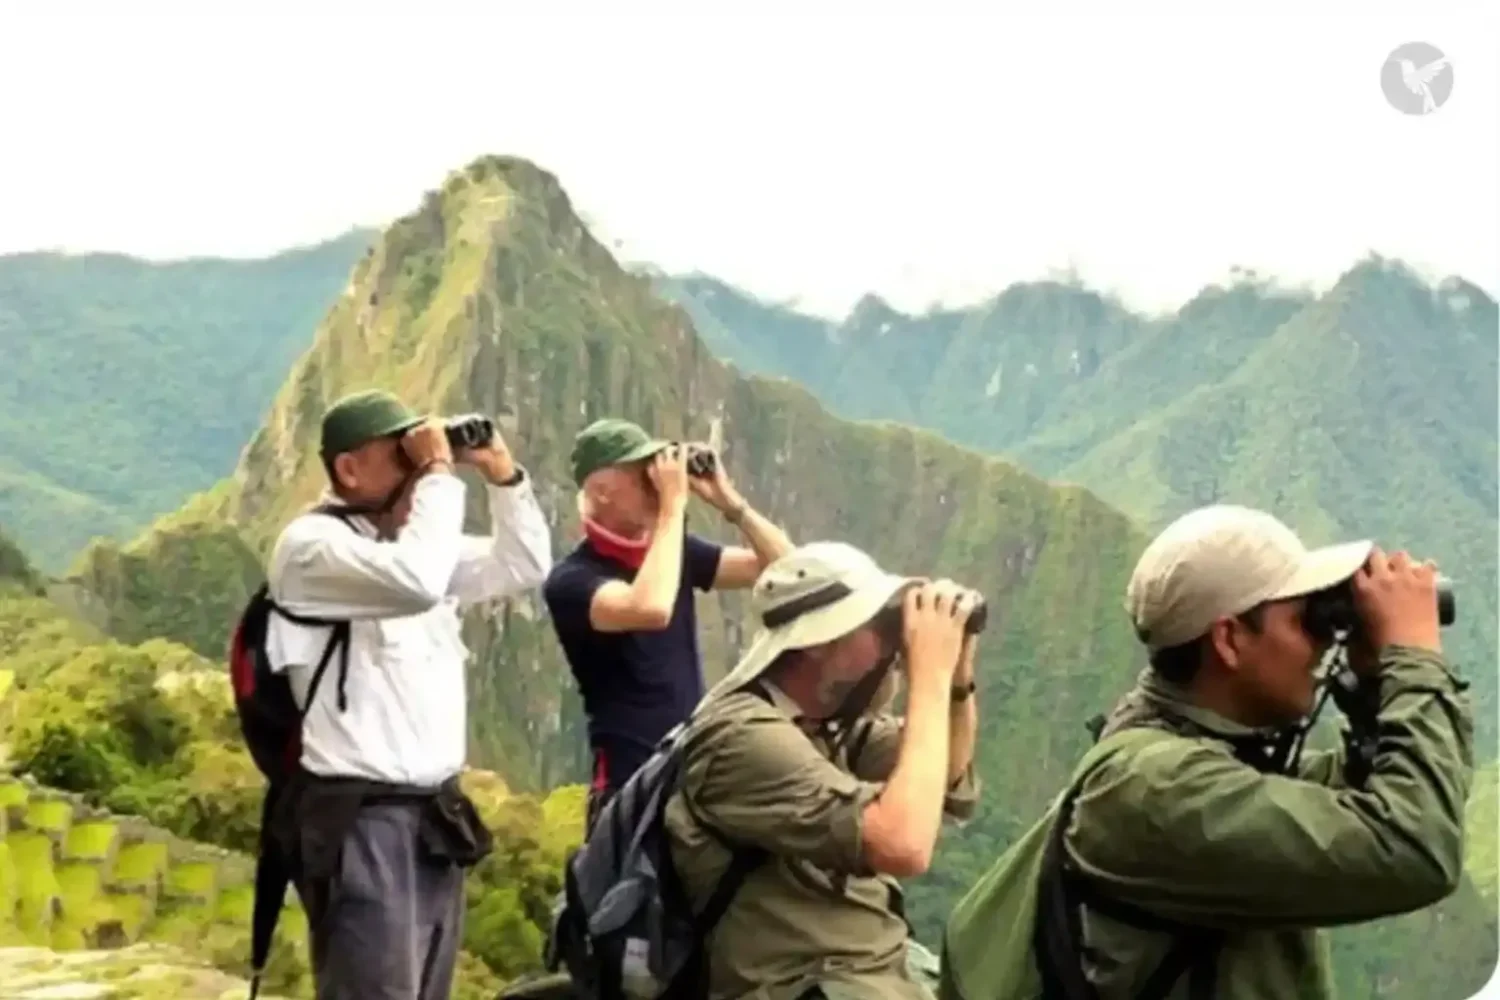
716, 488
932, 622
493, 460
963, 673
668, 472
427, 443
1396, 601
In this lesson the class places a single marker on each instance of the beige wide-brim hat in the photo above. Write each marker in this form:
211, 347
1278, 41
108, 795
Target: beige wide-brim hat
1223, 560
814, 594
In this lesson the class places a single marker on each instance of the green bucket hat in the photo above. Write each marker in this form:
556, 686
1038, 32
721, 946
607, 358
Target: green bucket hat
610, 441
364, 416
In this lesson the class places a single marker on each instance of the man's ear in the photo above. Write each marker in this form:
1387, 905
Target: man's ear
345, 471
1223, 637
599, 489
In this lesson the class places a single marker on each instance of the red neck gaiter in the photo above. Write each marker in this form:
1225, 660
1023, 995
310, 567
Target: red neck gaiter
627, 552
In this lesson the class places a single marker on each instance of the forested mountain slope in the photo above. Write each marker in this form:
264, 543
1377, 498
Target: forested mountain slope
128, 384
1367, 411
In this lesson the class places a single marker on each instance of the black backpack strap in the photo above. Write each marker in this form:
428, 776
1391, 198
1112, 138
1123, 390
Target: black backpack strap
692, 981
1057, 934
1057, 938
741, 864
338, 639
866, 726
1194, 948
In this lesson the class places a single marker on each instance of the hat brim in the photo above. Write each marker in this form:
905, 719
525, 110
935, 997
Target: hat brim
400, 426
1323, 568
641, 451
812, 629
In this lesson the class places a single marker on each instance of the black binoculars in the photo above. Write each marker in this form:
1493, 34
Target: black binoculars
701, 460
1331, 611
473, 430
978, 618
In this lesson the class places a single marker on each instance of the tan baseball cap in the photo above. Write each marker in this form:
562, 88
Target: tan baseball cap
1223, 560
818, 592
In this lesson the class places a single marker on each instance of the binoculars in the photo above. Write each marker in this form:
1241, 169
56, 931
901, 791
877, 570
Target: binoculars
1331, 611
701, 460
473, 430
978, 618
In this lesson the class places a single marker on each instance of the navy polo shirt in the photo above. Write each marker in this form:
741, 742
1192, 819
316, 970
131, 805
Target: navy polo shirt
635, 685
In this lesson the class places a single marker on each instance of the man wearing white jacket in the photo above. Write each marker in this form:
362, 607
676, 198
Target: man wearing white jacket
373, 816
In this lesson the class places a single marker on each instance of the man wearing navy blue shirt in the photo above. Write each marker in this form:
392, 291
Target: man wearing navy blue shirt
622, 601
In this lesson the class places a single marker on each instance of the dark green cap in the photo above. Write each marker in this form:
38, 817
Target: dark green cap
610, 441
363, 416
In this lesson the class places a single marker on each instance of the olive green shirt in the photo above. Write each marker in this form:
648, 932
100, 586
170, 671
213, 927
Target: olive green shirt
815, 913
1176, 825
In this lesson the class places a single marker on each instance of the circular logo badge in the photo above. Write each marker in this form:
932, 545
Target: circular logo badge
1417, 78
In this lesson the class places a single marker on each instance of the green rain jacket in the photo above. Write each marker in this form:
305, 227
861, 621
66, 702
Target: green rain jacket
1171, 822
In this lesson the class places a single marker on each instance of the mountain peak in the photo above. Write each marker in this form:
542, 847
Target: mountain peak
1377, 273
490, 294
871, 316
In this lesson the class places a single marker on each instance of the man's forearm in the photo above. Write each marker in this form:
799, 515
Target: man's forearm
904, 820
660, 573
963, 722
515, 556
767, 540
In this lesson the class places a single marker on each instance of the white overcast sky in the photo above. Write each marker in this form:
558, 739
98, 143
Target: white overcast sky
803, 156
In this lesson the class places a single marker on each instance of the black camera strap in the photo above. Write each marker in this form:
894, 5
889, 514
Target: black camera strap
1358, 699
839, 726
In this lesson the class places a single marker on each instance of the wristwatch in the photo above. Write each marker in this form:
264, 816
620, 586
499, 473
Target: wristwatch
961, 692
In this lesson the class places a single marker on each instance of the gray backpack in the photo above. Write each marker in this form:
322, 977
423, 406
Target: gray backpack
624, 926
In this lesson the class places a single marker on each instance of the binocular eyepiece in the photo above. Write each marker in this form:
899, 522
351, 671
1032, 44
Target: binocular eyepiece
1331, 611
701, 461
473, 430
978, 618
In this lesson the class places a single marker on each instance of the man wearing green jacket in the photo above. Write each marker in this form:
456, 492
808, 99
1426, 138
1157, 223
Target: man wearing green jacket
1189, 858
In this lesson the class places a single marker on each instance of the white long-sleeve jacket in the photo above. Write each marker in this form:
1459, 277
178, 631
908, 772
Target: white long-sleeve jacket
405, 719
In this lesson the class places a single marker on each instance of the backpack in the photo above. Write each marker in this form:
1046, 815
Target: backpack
624, 926
1062, 889
1057, 935
271, 724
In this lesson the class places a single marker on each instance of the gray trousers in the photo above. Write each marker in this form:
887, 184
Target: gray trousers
389, 925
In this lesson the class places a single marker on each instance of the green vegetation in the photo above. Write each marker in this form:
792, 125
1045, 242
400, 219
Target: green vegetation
493, 296
128, 384
135, 812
